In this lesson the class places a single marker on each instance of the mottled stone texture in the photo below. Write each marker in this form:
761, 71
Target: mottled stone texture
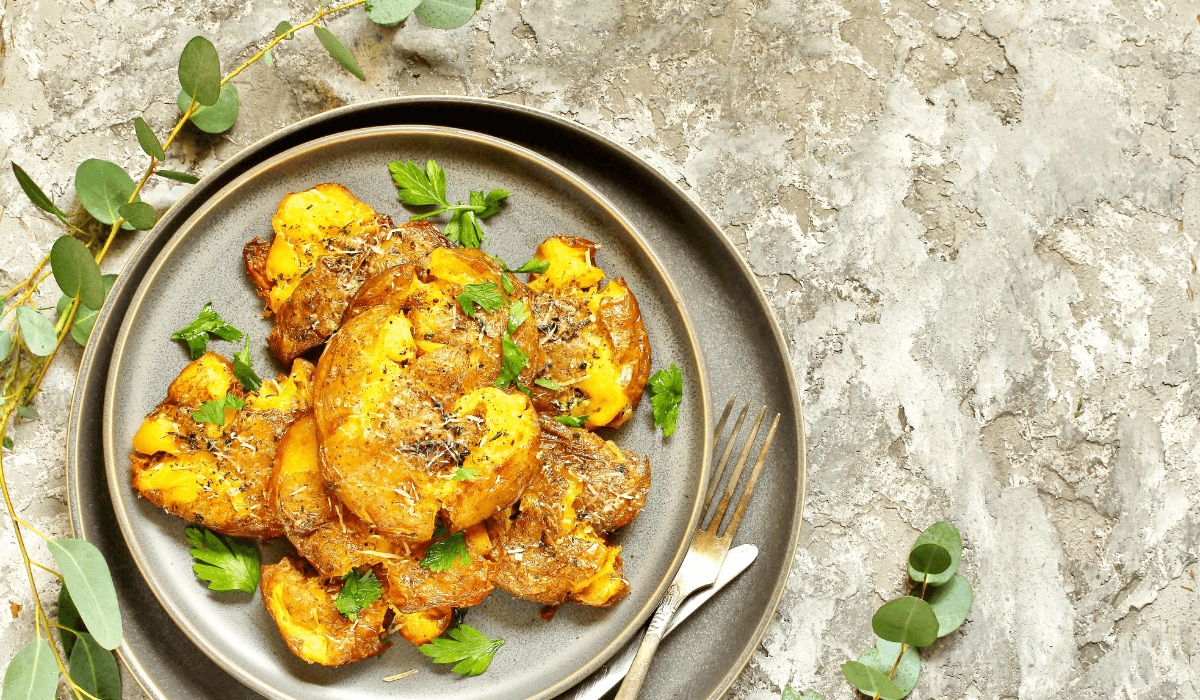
977, 222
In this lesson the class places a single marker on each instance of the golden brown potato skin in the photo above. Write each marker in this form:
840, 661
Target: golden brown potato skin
425, 626
332, 254
217, 476
303, 607
594, 343
404, 398
412, 588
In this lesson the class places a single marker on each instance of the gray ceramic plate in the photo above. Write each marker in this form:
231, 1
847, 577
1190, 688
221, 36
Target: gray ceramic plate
745, 352
203, 263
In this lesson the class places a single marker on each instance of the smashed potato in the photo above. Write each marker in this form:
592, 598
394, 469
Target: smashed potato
216, 475
596, 349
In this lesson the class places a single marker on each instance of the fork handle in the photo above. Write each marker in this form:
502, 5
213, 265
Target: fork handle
654, 634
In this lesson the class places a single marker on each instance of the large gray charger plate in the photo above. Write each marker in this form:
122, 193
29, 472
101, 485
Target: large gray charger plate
738, 337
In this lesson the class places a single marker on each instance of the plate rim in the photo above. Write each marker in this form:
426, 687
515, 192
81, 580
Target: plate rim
181, 233
95, 352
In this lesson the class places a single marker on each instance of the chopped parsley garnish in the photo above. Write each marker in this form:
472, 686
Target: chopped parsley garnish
465, 474
512, 361
572, 421
547, 383
534, 265
420, 188
214, 411
357, 592
517, 313
485, 295
446, 553
243, 369
223, 562
666, 392
209, 322
464, 646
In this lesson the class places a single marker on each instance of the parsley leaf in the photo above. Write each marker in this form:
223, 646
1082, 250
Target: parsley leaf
666, 392
467, 648
512, 361
572, 421
547, 383
214, 411
486, 295
243, 369
419, 188
447, 552
535, 265
465, 474
464, 228
222, 561
491, 202
196, 333
357, 593
517, 313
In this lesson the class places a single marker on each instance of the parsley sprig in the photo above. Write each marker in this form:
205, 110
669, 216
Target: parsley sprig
512, 358
209, 322
420, 188
666, 393
226, 564
467, 648
243, 369
485, 295
214, 411
446, 552
358, 591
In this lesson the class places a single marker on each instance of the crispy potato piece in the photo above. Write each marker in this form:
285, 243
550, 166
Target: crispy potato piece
595, 345
412, 588
304, 608
425, 626
326, 244
216, 475
409, 420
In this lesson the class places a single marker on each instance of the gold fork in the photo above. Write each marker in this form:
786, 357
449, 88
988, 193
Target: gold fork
709, 546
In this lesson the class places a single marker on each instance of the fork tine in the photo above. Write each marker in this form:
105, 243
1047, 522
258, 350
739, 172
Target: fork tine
720, 468
715, 523
731, 529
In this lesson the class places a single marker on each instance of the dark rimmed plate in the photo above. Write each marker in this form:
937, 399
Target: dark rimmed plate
745, 351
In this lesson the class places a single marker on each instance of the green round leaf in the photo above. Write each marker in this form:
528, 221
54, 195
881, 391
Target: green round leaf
5, 344
882, 657
102, 187
140, 215
32, 673
200, 71
86, 575
94, 668
951, 603
76, 271
871, 682
37, 331
35, 193
389, 13
85, 317
268, 58
284, 27
68, 616
445, 14
947, 536
906, 620
217, 118
178, 176
147, 140
927, 559
339, 51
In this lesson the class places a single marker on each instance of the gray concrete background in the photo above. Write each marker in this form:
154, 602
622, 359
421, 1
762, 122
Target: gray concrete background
977, 222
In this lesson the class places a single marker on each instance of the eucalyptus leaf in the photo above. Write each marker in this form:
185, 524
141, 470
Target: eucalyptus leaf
882, 658
947, 536
5, 344
35, 193
339, 51
102, 187
8, 443
37, 331
389, 13
268, 58
140, 215
32, 674
178, 176
86, 575
85, 316
951, 603
284, 29
871, 682
147, 140
68, 617
76, 272
94, 669
445, 14
27, 412
906, 620
928, 559
200, 72
219, 117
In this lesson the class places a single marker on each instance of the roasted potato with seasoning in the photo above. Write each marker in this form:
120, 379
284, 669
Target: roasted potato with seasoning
595, 347
412, 588
409, 420
216, 475
304, 608
326, 244
425, 626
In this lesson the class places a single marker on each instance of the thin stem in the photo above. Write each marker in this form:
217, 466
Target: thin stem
903, 648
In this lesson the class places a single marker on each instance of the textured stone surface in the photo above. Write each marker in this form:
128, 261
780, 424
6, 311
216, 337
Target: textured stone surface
977, 222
